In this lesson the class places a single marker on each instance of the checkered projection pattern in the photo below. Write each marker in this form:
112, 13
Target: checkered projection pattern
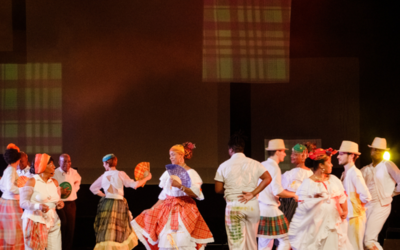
246, 41
30, 107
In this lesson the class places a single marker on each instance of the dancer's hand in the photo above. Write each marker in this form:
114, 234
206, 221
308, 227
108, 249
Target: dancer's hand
60, 204
296, 198
245, 197
343, 215
44, 208
148, 177
175, 183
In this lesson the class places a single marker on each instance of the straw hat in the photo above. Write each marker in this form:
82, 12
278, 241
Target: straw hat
379, 143
349, 147
276, 144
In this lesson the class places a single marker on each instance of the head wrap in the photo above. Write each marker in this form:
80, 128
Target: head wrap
299, 148
12, 146
186, 149
178, 148
108, 157
319, 152
41, 161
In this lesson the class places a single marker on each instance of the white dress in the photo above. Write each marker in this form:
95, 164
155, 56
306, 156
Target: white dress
316, 224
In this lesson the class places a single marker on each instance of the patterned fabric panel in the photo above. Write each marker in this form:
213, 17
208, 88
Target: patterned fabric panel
273, 226
246, 40
30, 107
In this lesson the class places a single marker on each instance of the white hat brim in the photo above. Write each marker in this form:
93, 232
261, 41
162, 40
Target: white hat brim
357, 153
386, 149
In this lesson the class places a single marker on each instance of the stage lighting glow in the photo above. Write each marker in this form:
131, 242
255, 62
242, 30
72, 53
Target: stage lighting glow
386, 156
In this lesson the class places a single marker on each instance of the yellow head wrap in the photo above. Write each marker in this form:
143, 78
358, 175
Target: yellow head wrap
178, 148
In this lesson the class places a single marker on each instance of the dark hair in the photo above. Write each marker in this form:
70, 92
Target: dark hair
310, 146
50, 160
237, 142
271, 152
11, 155
314, 164
32, 169
355, 156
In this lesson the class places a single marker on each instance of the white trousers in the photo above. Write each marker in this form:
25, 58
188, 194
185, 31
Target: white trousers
54, 236
241, 223
266, 244
356, 231
376, 218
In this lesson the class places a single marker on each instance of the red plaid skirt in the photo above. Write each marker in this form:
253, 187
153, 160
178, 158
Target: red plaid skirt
36, 235
154, 220
11, 234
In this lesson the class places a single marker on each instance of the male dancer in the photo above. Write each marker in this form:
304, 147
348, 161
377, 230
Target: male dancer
237, 179
70, 182
357, 193
273, 223
381, 177
23, 167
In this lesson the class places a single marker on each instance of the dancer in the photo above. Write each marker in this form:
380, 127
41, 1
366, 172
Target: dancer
174, 221
273, 223
70, 182
381, 177
11, 235
40, 197
237, 179
319, 221
23, 166
357, 193
291, 180
111, 225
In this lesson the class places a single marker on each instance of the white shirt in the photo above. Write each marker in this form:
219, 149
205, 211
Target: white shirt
267, 196
70, 180
165, 184
356, 190
43, 193
385, 176
291, 180
25, 172
7, 186
239, 174
113, 182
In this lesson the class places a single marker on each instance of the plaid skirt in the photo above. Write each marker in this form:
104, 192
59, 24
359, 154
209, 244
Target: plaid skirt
273, 227
11, 234
112, 227
288, 207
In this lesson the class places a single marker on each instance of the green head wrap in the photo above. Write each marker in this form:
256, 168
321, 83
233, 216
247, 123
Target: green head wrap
299, 148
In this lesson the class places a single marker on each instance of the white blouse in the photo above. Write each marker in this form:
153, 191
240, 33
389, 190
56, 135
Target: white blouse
165, 184
7, 186
291, 180
113, 182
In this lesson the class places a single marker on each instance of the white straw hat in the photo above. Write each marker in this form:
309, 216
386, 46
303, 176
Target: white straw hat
276, 144
379, 143
349, 147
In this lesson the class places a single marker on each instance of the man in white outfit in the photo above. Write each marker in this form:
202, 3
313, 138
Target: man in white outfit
273, 223
381, 177
23, 166
237, 178
357, 193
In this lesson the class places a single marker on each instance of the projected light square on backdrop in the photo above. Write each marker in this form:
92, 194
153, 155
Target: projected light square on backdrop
30, 107
246, 40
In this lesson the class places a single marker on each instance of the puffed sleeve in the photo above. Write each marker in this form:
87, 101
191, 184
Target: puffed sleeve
96, 186
302, 191
196, 184
126, 180
163, 179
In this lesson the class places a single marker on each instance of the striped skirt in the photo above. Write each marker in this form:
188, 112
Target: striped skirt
11, 234
288, 207
112, 227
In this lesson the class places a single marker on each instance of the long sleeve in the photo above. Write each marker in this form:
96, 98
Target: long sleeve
361, 187
9, 177
25, 199
77, 181
126, 180
394, 172
96, 186
276, 182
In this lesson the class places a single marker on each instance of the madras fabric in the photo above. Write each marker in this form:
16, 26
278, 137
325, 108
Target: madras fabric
288, 207
154, 220
273, 226
112, 225
11, 235
30, 107
246, 40
36, 235
232, 222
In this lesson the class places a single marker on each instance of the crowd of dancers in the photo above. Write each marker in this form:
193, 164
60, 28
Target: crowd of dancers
305, 208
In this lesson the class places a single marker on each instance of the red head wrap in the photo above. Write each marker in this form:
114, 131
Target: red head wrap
314, 155
12, 146
41, 162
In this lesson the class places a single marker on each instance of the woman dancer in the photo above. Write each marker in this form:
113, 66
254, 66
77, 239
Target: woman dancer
11, 235
291, 180
112, 227
320, 219
40, 197
174, 221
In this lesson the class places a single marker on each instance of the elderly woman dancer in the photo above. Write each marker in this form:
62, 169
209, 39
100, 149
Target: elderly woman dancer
320, 219
112, 227
11, 235
40, 197
174, 222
